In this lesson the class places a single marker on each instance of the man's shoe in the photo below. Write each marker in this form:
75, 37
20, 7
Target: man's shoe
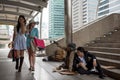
102, 77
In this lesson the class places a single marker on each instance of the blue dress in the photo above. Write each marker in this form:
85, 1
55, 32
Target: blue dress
33, 33
20, 41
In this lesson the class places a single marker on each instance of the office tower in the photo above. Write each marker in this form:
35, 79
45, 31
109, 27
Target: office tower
83, 12
77, 14
107, 7
56, 18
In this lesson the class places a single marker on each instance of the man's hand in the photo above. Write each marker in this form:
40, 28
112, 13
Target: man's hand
82, 65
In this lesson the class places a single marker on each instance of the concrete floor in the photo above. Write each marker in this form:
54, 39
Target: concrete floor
43, 70
7, 69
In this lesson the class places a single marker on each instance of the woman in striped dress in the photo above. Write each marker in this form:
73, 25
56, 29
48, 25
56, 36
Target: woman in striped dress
19, 41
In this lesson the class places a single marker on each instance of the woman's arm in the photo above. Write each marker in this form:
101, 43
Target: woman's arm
34, 33
23, 28
14, 34
37, 35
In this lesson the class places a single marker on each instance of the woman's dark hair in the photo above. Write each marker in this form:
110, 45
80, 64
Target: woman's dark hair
81, 49
18, 23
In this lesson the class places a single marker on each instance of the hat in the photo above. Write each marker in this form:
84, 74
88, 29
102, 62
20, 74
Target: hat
32, 21
72, 46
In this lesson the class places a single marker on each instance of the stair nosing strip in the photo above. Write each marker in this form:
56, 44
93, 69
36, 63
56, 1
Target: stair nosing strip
103, 47
109, 60
108, 53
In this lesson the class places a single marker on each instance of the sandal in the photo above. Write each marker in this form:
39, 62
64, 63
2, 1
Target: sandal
30, 68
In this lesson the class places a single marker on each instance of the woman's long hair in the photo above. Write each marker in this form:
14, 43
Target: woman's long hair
18, 23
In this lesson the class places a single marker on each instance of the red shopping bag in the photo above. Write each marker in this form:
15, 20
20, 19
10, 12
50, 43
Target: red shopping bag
39, 43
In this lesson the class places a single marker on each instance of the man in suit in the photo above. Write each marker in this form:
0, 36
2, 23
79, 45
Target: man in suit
84, 62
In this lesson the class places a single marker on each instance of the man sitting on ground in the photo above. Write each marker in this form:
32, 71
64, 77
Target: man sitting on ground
84, 63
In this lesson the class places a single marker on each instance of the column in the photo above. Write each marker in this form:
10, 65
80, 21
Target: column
41, 24
68, 20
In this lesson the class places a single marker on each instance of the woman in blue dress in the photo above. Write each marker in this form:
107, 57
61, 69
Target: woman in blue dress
31, 34
19, 41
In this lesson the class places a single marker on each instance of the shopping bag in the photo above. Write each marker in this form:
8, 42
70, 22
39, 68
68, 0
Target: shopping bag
39, 43
32, 45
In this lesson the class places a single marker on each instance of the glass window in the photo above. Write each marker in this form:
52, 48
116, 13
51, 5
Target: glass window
103, 13
104, 7
104, 2
115, 3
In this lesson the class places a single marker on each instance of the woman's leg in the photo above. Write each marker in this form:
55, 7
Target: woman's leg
17, 55
21, 59
33, 60
30, 59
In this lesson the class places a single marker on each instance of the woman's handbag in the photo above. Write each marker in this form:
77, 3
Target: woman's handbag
11, 53
39, 43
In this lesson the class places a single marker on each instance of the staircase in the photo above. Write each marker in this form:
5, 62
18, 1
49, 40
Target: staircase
107, 51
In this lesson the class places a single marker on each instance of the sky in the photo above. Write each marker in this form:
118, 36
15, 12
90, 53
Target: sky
45, 22
45, 15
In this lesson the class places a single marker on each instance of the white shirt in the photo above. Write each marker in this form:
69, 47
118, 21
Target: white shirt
83, 60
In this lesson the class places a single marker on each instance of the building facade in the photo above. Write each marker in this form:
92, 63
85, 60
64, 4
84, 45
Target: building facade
56, 18
89, 10
83, 12
76, 14
107, 7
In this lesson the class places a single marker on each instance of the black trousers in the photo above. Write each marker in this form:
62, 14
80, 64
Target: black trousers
90, 66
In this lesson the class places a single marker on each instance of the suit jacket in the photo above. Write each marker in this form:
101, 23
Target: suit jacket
87, 56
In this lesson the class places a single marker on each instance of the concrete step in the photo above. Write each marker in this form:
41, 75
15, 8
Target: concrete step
107, 51
112, 45
112, 72
107, 40
114, 56
109, 62
109, 37
113, 40
116, 38
103, 49
113, 33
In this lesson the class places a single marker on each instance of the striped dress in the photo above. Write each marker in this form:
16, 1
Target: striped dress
20, 41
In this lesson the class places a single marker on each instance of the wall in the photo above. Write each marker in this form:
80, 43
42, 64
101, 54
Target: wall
91, 32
